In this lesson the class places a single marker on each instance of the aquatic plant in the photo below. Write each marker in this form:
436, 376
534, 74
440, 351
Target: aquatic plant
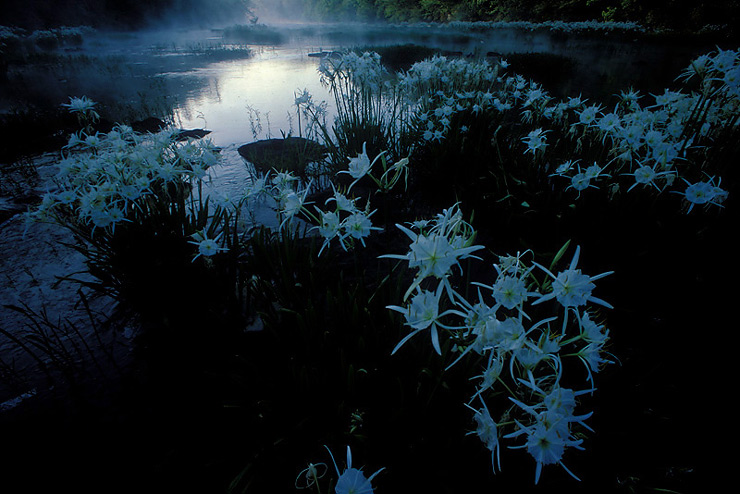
63, 351
473, 113
682, 135
514, 331
137, 206
497, 326
369, 109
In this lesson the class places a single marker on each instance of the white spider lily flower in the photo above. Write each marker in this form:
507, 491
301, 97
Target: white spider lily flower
632, 135
93, 141
74, 140
594, 171
609, 123
536, 141
591, 331
571, 287
565, 167
343, 203
589, 114
101, 218
310, 474
207, 247
116, 215
168, 172
256, 190
646, 175
283, 180
131, 192
653, 138
82, 105
630, 98
545, 441
352, 480
550, 433
575, 102
510, 291
703, 193
291, 204
510, 334
302, 98
433, 254
580, 181
358, 225
488, 335
547, 446
491, 373
359, 166
329, 227
487, 431
665, 153
66, 196
720, 195
591, 356
422, 313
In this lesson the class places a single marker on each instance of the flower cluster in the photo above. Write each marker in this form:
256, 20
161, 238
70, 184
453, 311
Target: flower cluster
105, 180
440, 90
521, 347
361, 71
653, 145
648, 146
346, 222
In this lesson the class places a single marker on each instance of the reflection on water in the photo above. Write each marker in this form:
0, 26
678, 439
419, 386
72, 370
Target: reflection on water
244, 100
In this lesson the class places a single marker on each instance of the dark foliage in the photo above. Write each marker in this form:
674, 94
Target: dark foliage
45, 14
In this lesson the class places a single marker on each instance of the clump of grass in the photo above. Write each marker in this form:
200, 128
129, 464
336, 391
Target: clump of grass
65, 353
371, 114
219, 52
142, 225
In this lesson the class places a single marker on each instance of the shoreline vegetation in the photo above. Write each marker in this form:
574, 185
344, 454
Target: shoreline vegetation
657, 16
476, 267
479, 283
38, 66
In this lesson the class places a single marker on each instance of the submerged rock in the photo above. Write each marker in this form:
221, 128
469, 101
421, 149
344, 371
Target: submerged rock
289, 154
151, 124
184, 135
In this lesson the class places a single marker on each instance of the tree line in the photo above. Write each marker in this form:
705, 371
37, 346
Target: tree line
123, 14
676, 14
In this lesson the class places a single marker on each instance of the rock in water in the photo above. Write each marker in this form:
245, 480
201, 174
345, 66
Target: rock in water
289, 154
